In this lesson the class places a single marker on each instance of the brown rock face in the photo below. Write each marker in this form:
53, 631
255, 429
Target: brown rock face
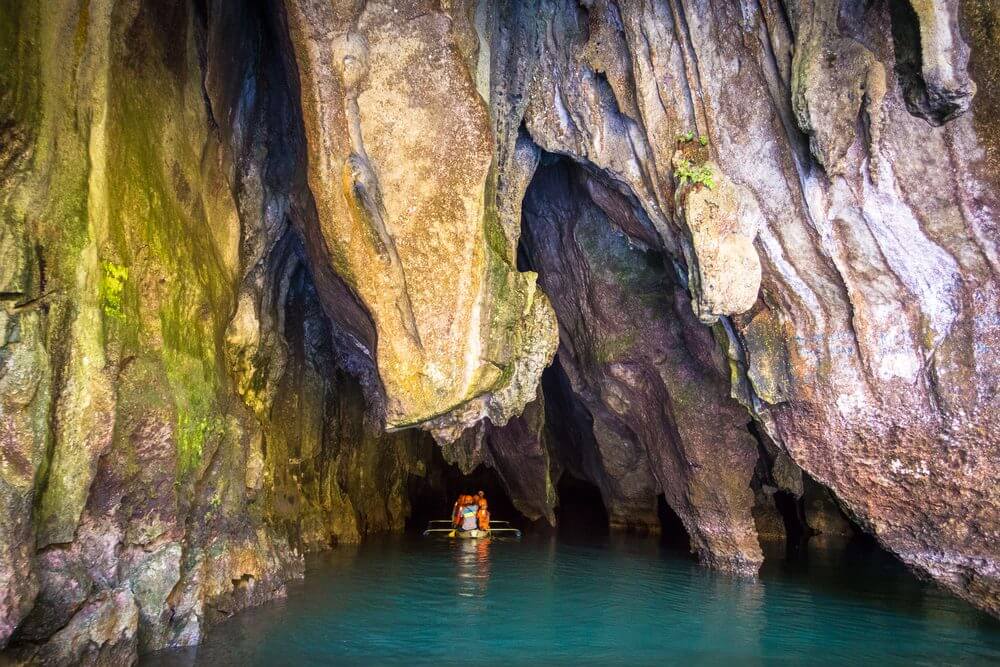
650, 375
400, 155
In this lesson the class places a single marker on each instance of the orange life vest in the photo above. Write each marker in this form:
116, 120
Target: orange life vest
483, 516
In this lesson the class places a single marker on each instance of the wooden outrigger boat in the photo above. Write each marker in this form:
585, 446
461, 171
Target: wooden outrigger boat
445, 528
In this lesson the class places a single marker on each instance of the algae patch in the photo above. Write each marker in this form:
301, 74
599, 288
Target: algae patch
113, 280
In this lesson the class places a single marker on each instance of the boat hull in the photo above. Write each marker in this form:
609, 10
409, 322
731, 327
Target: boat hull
502, 529
474, 534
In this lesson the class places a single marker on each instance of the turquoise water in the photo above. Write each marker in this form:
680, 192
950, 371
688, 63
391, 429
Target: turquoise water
606, 601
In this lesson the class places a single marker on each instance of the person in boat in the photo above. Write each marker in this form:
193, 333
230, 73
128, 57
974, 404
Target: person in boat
482, 514
456, 510
462, 500
468, 515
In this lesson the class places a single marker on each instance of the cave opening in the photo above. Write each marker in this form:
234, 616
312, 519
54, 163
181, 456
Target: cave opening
797, 531
673, 533
581, 510
432, 497
350, 447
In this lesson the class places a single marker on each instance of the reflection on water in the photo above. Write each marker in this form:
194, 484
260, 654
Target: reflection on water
472, 567
614, 600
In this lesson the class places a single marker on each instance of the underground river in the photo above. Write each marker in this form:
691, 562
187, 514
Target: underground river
597, 600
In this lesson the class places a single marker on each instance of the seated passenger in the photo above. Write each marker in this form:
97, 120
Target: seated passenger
456, 511
483, 515
469, 521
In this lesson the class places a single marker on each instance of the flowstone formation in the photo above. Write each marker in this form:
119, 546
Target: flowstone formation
401, 165
239, 242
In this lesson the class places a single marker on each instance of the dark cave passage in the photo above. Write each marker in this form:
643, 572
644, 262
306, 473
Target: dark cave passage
673, 534
432, 497
581, 510
791, 510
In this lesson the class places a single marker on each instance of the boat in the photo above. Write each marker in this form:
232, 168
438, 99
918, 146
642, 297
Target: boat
473, 534
445, 528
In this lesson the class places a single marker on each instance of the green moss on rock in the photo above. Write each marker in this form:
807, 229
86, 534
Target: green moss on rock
113, 279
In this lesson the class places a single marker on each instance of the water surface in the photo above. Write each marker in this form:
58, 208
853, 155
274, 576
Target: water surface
602, 601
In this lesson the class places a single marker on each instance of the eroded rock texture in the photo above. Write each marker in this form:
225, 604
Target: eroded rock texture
651, 377
401, 164
869, 356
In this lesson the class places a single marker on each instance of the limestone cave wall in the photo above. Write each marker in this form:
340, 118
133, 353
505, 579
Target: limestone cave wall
178, 422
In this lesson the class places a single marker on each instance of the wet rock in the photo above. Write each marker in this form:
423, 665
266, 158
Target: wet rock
64, 587
102, 633
767, 517
822, 514
25, 383
152, 576
519, 452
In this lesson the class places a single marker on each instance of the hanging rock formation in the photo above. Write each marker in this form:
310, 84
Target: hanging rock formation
241, 241
401, 168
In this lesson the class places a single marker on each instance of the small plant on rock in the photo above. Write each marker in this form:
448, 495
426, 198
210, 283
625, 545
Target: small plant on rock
690, 136
696, 175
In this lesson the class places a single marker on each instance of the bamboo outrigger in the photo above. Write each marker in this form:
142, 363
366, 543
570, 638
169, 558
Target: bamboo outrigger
497, 529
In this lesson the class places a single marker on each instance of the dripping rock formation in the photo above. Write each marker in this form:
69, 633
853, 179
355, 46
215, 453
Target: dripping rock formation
268, 268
